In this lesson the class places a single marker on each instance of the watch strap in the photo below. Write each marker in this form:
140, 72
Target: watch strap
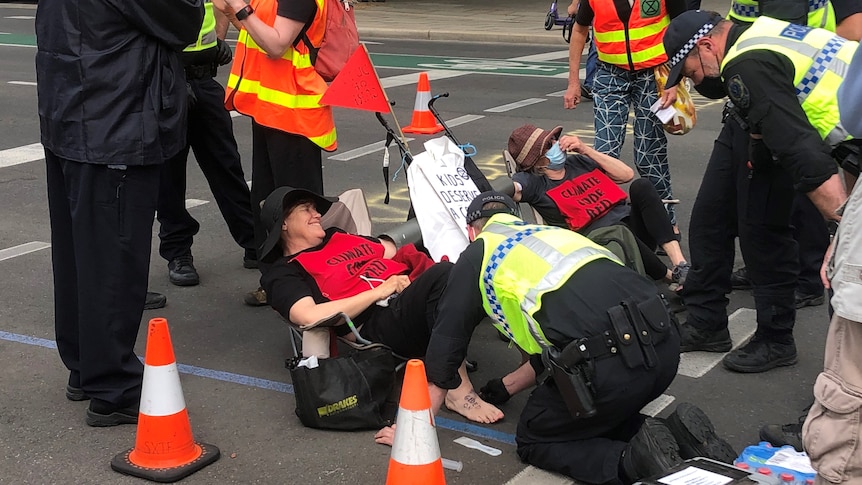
244, 12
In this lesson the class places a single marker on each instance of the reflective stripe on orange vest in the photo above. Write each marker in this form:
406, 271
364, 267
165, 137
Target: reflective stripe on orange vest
283, 93
635, 44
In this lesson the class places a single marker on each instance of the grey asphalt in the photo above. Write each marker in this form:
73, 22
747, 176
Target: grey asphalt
235, 386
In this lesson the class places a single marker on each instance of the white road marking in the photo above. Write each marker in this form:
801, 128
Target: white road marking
22, 249
462, 120
195, 202
654, 407
23, 154
412, 78
515, 105
361, 151
546, 56
742, 324
22, 83
536, 476
20, 17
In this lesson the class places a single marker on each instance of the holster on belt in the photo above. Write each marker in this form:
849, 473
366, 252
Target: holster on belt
572, 381
638, 327
731, 111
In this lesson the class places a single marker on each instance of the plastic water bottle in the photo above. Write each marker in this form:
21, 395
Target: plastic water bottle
787, 478
742, 465
764, 471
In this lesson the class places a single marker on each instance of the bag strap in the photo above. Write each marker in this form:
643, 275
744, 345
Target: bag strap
303, 36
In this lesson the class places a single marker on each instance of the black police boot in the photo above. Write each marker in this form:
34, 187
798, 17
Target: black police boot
760, 355
783, 434
739, 279
182, 272
155, 300
803, 300
696, 436
693, 338
249, 260
652, 451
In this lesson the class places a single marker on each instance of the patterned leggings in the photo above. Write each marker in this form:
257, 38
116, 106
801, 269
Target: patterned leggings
615, 90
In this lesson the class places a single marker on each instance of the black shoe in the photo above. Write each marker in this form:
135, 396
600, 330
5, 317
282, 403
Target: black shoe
696, 436
155, 300
255, 298
249, 261
75, 393
693, 338
739, 279
760, 355
182, 272
652, 451
586, 92
101, 414
803, 301
781, 435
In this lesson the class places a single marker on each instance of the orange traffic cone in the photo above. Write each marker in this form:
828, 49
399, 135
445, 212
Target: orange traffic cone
165, 450
423, 121
415, 457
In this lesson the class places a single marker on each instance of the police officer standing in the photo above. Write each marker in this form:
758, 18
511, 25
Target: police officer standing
210, 135
797, 122
621, 352
112, 109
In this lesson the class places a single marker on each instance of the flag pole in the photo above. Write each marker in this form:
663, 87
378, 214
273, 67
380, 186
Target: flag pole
386, 97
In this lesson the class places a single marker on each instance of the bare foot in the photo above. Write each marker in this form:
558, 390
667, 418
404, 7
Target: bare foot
472, 407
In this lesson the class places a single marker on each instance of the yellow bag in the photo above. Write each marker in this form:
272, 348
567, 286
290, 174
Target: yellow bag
685, 117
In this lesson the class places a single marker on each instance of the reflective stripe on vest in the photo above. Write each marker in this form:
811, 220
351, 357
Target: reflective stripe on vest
821, 14
283, 93
207, 36
820, 60
543, 259
635, 44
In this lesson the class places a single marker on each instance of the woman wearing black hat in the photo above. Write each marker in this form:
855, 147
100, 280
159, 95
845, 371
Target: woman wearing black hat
318, 272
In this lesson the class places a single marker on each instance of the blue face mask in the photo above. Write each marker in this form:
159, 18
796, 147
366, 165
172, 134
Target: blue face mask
556, 157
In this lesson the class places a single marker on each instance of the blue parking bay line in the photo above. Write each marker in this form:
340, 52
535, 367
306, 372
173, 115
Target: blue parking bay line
244, 380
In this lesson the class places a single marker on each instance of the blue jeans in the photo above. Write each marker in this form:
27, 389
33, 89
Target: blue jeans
615, 90
592, 58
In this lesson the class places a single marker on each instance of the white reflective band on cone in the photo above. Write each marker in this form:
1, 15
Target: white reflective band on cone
162, 394
422, 99
415, 438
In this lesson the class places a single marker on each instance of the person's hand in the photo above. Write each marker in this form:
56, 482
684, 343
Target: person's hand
494, 392
824, 277
393, 284
573, 95
668, 97
385, 436
572, 9
224, 54
571, 143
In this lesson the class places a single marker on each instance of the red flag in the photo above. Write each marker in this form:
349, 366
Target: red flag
357, 86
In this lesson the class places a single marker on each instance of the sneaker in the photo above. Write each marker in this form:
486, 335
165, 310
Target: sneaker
652, 451
182, 272
803, 301
693, 338
155, 300
696, 436
255, 298
586, 92
101, 414
760, 355
739, 279
783, 434
680, 273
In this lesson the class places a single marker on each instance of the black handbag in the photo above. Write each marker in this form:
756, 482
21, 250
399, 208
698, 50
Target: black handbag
345, 393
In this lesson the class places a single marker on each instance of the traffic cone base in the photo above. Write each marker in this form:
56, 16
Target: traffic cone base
206, 454
423, 121
165, 450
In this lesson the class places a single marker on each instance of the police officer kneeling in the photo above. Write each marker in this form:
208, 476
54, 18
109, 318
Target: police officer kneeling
601, 328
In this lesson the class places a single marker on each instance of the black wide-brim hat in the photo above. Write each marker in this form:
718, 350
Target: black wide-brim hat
272, 215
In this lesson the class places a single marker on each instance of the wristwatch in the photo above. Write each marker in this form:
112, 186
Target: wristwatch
244, 12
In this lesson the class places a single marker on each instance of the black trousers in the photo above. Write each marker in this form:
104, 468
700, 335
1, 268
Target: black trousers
755, 205
405, 325
278, 159
210, 135
101, 232
649, 223
812, 236
589, 450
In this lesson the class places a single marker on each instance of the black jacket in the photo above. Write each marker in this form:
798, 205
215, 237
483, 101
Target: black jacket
111, 87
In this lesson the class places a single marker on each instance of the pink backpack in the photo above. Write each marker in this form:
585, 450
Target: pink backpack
340, 39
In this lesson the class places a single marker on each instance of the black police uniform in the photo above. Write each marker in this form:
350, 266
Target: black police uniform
752, 202
548, 437
108, 119
210, 135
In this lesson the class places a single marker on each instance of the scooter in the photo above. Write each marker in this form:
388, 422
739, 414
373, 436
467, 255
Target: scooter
553, 18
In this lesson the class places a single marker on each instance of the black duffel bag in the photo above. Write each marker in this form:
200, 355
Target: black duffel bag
345, 393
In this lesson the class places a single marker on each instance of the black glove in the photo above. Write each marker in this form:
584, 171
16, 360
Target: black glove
224, 54
494, 392
191, 99
759, 155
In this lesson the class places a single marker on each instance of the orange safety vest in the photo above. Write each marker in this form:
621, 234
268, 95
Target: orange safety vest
632, 45
281, 93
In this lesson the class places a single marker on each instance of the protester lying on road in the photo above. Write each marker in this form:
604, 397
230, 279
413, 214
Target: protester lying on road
580, 191
317, 273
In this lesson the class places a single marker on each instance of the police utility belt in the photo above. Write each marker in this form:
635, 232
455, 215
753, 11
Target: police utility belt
201, 71
636, 328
